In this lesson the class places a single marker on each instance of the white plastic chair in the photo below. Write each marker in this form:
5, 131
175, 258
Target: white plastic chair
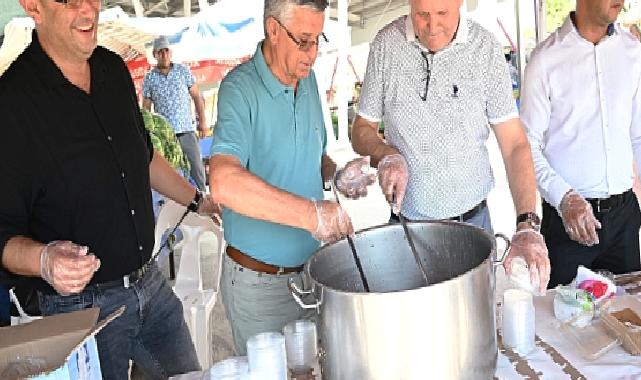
202, 239
22, 317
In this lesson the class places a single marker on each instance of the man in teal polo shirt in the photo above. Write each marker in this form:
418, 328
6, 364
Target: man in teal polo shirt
267, 167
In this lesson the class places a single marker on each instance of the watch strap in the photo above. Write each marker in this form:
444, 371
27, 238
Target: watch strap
195, 203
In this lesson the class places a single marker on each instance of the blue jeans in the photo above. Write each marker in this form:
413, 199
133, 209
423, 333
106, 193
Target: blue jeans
152, 330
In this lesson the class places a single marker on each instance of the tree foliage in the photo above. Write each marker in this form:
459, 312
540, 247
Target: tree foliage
556, 11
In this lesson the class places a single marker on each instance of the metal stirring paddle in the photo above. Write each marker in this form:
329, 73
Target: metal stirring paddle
353, 248
413, 247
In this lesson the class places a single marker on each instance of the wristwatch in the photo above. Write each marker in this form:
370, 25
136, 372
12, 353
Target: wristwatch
195, 203
530, 218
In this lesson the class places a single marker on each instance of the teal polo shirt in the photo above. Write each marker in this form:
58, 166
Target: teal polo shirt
280, 137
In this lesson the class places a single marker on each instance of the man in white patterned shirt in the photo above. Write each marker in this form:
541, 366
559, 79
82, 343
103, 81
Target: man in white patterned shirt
582, 112
437, 79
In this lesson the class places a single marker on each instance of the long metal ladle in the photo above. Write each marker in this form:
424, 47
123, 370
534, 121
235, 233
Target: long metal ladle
410, 241
353, 248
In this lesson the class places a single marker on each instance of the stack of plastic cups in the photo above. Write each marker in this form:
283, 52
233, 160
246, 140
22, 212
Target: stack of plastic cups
518, 321
267, 357
301, 345
236, 368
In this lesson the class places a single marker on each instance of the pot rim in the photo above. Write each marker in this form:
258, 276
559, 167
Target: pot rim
488, 260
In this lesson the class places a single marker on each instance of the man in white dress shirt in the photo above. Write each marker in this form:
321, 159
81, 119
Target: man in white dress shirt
581, 107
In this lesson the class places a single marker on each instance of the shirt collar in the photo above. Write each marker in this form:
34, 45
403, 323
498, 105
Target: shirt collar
568, 28
51, 73
46, 68
459, 38
273, 85
157, 70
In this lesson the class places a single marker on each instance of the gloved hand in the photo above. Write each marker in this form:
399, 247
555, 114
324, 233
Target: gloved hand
353, 179
67, 267
333, 222
208, 207
578, 219
530, 245
392, 176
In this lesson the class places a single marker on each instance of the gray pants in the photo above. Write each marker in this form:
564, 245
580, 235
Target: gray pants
189, 144
258, 302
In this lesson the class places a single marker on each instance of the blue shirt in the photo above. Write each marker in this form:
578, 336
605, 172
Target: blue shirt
170, 95
280, 137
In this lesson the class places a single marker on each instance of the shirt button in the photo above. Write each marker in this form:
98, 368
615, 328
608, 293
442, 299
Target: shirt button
122, 174
109, 138
133, 212
140, 247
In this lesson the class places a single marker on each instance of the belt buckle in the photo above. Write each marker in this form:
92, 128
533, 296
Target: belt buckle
127, 281
601, 209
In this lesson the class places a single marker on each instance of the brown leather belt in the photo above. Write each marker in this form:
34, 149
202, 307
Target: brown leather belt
256, 265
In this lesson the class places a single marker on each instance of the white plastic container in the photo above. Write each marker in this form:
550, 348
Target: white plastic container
236, 368
519, 277
301, 345
517, 321
267, 357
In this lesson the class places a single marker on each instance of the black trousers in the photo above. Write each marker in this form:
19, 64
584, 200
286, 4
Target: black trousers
617, 251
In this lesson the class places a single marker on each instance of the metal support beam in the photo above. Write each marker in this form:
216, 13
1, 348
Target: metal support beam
138, 8
187, 8
342, 90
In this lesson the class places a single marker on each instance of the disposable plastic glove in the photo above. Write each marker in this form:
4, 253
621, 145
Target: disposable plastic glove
208, 207
530, 245
392, 176
67, 267
578, 219
353, 179
333, 222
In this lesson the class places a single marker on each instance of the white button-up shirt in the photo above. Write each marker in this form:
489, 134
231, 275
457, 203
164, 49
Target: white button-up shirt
581, 110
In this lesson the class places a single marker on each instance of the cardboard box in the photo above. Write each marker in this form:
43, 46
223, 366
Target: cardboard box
57, 347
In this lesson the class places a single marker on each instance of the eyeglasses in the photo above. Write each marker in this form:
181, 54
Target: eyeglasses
427, 75
76, 3
303, 45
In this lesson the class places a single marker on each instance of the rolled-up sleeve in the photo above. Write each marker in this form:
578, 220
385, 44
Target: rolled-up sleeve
535, 115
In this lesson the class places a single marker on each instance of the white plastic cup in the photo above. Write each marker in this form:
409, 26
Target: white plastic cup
301, 345
236, 368
517, 325
267, 357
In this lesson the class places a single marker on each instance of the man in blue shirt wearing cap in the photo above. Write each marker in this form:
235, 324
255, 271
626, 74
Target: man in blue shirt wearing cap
169, 87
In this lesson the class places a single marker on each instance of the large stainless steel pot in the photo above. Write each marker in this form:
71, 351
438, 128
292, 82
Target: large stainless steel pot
403, 329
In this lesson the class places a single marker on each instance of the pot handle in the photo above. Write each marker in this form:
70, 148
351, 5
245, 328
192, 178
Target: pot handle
297, 293
507, 248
